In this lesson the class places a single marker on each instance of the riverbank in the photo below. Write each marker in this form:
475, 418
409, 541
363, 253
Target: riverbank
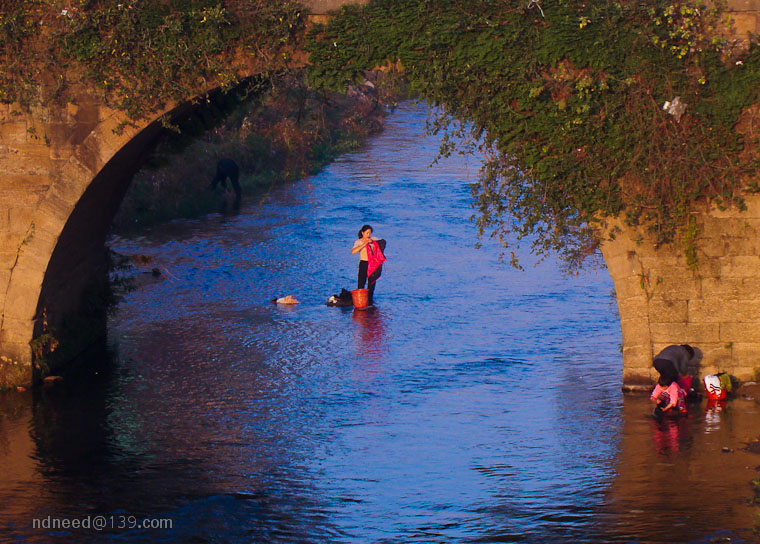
285, 132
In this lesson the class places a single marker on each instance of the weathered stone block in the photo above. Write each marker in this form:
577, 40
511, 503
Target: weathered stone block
740, 266
41, 243
715, 352
685, 333
20, 219
745, 373
7, 259
622, 264
668, 311
5, 277
13, 132
700, 333
60, 152
727, 288
675, 288
60, 135
752, 213
22, 182
72, 182
23, 294
621, 246
52, 214
713, 247
746, 354
33, 150
742, 5
659, 262
629, 287
737, 224
743, 245
744, 24
35, 257
635, 331
739, 332
714, 310
103, 142
633, 308
707, 267
637, 355
638, 376
16, 331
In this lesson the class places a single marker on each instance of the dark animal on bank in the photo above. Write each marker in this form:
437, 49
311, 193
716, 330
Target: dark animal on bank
228, 169
343, 299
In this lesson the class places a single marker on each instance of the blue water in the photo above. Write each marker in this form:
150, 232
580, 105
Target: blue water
475, 403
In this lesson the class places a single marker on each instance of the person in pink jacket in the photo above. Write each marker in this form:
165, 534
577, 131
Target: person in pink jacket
669, 396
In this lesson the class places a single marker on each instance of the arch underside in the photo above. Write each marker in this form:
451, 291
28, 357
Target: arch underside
54, 250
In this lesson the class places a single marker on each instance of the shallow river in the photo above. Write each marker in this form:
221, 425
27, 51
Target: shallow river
475, 403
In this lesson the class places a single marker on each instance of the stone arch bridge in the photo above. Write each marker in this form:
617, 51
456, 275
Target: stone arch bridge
59, 193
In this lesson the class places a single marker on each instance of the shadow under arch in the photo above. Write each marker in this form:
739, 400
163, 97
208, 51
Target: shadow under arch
74, 295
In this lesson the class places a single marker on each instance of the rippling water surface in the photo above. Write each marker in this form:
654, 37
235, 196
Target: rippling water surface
475, 403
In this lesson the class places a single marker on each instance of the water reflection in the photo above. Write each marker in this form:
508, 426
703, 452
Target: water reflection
370, 345
714, 413
690, 482
671, 435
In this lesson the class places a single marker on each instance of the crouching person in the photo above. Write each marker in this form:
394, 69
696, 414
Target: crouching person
673, 363
669, 396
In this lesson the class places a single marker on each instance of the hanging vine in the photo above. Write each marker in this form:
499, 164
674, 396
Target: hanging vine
138, 54
584, 110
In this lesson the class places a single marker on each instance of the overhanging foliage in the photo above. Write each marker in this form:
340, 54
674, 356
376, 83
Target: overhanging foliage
567, 101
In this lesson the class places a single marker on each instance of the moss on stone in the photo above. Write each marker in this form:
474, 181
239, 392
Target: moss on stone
13, 374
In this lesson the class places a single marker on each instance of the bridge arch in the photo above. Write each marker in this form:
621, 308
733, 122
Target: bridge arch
73, 176
64, 171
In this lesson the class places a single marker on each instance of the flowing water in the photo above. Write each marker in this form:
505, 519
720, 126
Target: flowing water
474, 403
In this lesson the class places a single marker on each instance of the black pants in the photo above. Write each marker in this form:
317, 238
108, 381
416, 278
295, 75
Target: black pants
362, 279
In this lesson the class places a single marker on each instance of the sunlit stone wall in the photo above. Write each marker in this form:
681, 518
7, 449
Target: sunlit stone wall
715, 307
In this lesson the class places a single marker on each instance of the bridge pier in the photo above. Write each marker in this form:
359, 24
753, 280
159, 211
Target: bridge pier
715, 306
64, 172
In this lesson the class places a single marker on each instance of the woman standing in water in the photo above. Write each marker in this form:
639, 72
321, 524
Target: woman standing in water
371, 257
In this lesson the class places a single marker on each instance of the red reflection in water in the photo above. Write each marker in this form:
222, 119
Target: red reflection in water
371, 338
671, 434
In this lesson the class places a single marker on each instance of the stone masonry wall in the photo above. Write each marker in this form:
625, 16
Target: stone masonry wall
745, 15
48, 157
715, 308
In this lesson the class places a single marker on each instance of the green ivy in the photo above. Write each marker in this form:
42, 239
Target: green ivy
567, 104
140, 54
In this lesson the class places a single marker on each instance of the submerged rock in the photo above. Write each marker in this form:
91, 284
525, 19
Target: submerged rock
287, 299
52, 380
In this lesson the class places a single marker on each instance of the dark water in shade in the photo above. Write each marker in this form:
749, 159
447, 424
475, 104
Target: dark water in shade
474, 404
